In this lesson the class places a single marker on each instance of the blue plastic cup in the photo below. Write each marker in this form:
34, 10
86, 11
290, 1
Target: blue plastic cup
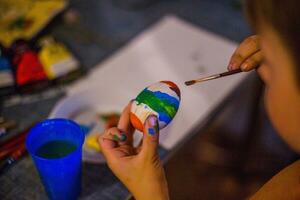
61, 177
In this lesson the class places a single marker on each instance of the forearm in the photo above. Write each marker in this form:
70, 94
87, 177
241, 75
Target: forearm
155, 193
154, 188
284, 185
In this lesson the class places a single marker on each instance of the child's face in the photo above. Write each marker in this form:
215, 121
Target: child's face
282, 96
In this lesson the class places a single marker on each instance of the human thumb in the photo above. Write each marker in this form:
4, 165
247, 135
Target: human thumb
150, 136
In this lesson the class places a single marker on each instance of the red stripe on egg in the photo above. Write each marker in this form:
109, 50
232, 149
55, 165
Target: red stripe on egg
172, 86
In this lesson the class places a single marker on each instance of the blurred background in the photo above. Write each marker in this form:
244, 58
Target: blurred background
229, 157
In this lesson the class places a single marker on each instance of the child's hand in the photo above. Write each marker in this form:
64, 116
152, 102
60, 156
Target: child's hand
140, 168
247, 56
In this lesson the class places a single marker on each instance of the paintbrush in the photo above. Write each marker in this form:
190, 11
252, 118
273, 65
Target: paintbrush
13, 157
192, 82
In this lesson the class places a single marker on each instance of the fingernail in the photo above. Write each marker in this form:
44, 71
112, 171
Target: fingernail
123, 137
120, 137
152, 120
245, 66
230, 66
153, 123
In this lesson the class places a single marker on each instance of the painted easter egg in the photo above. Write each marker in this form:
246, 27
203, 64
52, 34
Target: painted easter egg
161, 99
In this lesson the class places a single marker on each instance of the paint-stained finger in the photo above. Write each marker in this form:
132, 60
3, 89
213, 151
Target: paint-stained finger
150, 137
111, 142
111, 145
115, 134
106, 142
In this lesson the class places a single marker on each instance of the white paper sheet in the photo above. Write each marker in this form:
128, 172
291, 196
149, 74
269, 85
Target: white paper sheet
172, 50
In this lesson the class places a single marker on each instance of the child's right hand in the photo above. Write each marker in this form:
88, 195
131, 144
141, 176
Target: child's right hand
247, 56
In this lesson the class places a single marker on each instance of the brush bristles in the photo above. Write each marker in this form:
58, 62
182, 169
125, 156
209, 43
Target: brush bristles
192, 82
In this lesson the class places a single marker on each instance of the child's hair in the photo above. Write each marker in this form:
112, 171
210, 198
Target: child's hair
284, 17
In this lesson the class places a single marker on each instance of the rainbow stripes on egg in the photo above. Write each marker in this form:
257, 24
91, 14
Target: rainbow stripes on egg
161, 99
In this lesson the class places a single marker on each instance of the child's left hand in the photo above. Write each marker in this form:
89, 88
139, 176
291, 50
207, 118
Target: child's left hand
140, 168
